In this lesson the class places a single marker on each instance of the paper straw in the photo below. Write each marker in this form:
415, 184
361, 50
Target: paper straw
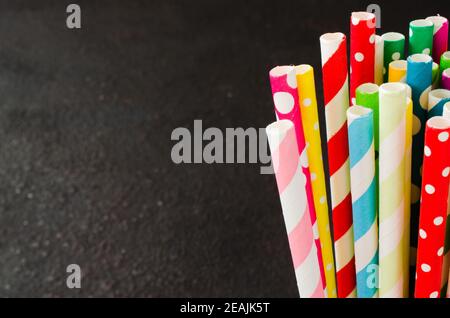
440, 36
335, 88
433, 208
367, 96
420, 36
363, 184
392, 189
445, 83
419, 78
436, 100
362, 50
394, 49
283, 80
406, 234
310, 120
379, 60
445, 61
445, 270
397, 71
291, 182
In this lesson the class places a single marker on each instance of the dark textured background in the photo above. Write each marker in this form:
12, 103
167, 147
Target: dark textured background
85, 123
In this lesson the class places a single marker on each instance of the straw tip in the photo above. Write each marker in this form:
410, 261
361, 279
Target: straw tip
303, 69
281, 70
332, 37
279, 127
420, 58
393, 88
438, 122
421, 23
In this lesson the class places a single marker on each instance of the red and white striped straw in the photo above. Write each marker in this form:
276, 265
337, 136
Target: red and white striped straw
335, 87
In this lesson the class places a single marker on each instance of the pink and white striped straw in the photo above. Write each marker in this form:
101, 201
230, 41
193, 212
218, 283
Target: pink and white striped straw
291, 182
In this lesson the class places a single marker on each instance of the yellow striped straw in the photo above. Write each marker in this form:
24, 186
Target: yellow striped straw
408, 149
310, 120
393, 104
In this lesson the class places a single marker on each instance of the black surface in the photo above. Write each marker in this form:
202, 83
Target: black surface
85, 123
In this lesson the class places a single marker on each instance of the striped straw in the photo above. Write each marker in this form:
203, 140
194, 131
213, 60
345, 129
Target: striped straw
436, 100
363, 184
418, 77
291, 182
335, 87
440, 36
392, 189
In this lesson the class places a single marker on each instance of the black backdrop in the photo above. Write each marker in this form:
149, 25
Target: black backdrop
85, 123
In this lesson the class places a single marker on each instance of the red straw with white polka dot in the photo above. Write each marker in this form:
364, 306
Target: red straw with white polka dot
362, 50
433, 208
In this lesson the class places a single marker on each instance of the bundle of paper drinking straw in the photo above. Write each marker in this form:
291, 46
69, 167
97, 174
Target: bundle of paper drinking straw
388, 144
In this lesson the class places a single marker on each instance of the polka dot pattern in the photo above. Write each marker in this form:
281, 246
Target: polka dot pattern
438, 220
425, 267
359, 57
443, 136
307, 102
446, 172
422, 234
291, 80
434, 294
429, 189
433, 210
322, 200
284, 102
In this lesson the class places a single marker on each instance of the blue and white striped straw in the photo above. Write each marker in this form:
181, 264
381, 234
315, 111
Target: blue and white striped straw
363, 189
